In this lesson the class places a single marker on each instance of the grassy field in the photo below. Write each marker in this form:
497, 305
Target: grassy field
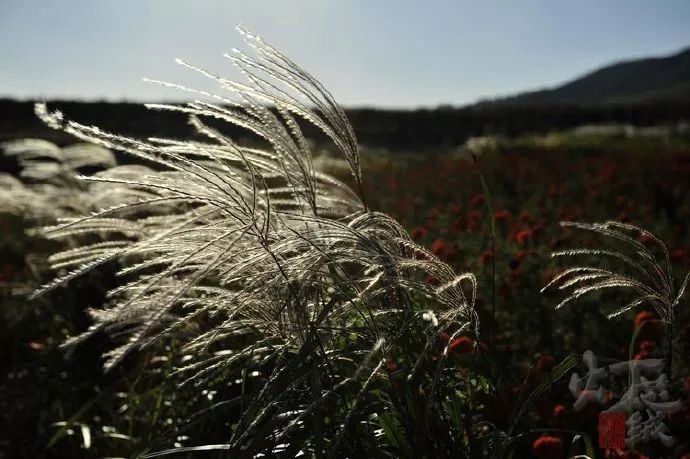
58, 405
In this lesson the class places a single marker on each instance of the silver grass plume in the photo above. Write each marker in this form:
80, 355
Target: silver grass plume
646, 274
253, 255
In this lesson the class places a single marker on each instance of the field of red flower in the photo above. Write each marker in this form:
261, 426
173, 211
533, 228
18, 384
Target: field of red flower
441, 201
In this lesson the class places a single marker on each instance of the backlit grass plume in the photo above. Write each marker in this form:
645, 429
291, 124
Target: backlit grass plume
255, 260
645, 270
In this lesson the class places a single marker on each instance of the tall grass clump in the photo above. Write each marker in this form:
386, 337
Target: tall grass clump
644, 271
265, 269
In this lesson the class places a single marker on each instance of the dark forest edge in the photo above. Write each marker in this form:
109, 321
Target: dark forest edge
418, 130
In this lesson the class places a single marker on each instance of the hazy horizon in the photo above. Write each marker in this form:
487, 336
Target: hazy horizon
367, 54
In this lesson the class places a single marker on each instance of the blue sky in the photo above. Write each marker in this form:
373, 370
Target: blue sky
390, 53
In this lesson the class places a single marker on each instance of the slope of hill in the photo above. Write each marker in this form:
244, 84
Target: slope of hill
650, 80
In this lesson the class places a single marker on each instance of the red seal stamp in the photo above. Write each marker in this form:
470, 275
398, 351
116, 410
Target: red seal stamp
612, 430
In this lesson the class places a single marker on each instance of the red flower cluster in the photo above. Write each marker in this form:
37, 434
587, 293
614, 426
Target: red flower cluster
548, 447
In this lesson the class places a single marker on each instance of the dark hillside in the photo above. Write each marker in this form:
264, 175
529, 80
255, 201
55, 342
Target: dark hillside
651, 80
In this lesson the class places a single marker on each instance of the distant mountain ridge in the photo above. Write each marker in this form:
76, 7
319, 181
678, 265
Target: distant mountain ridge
648, 80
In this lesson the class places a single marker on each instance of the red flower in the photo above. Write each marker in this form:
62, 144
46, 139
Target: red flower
457, 225
501, 215
648, 331
546, 363
644, 238
643, 316
439, 248
548, 447
538, 228
418, 233
522, 236
461, 345
647, 346
642, 355
477, 199
521, 255
680, 254
391, 365
559, 410
525, 217
474, 215
485, 257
